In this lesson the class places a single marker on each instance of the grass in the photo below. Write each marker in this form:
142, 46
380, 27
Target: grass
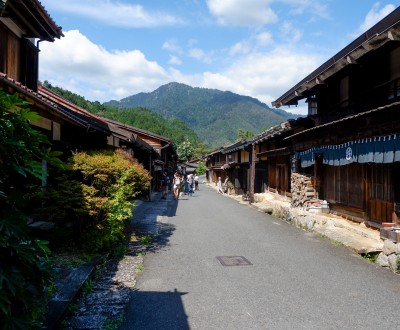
139, 269
70, 258
73, 308
371, 256
145, 240
87, 287
113, 324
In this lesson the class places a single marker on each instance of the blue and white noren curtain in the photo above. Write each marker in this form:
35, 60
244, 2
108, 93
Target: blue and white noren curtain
383, 150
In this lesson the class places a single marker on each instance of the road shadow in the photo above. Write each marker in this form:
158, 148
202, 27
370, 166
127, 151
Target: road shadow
155, 310
151, 222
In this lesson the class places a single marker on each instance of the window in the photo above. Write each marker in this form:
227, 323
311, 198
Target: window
344, 92
312, 106
394, 90
394, 86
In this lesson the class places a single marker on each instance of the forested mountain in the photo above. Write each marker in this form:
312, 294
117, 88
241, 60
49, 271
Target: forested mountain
169, 127
215, 116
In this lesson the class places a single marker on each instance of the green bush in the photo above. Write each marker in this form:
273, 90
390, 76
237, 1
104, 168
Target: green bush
24, 271
90, 199
201, 169
110, 181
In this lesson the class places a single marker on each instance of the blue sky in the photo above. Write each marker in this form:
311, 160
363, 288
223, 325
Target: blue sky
260, 48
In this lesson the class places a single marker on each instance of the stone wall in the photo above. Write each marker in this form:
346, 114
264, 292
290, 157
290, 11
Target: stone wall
390, 256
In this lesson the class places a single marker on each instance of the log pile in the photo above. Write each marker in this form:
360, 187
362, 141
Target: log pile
304, 190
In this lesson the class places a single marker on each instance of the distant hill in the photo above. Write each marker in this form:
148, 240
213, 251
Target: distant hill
215, 116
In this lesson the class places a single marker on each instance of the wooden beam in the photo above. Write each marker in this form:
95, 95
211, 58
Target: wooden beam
252, 172
351, 60
393, 35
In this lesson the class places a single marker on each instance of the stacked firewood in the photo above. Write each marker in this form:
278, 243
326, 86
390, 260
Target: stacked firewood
304, 190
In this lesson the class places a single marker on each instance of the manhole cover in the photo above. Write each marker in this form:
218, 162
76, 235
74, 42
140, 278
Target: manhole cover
234, 261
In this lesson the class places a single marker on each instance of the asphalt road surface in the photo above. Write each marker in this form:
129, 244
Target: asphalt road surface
219, 264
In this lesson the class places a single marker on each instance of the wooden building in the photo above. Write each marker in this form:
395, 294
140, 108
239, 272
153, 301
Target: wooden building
164, 157
237, 165
354, 147
215, 162
23, 25
274, 152
232, 161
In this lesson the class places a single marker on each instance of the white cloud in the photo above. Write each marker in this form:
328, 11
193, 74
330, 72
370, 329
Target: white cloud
115, 13
172, 46
242, 13
95, 72
200, 55
242, 47
289, 32
315, 8
174, 60
263, 39
375, 15
265, 76
76, 64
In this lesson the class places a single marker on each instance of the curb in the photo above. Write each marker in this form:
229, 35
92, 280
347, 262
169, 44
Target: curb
69, 289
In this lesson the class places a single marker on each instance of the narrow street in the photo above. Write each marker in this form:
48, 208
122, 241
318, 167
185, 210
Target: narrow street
287, 279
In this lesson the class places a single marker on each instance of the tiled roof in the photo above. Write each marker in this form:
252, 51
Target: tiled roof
140, 131
390, 107
111, 127
71, 112
32, 18
281, 129
382, 32
41, 99
237, 146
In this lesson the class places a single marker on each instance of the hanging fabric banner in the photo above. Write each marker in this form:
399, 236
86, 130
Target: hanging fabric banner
381, 150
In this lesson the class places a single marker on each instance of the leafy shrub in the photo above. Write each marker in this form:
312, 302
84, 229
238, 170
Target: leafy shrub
110, 181
24, 269
201, 169
90, 199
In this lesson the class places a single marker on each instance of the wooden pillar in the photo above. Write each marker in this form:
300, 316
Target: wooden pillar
252, 172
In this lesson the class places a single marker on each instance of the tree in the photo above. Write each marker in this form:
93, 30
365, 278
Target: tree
242, 134
24, 270
201, 169
185, 150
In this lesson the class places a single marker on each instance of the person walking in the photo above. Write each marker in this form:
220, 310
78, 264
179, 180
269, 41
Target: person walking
164, 185
219, 186
177, 185
196, 182
226, 185
190, 184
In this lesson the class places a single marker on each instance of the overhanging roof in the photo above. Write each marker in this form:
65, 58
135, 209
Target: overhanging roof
279, 130
384, 31
32, 18
275, 152
237, 146
392, 107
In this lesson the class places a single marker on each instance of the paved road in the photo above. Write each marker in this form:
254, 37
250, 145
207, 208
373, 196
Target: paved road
296, 280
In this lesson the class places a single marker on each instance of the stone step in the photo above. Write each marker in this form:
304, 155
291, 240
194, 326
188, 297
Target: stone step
352, 240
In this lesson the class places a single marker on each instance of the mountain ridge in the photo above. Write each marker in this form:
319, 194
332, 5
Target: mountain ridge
215, 115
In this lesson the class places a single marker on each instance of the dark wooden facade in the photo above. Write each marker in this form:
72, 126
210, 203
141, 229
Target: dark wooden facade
237, 167
21, 23
215, 165
353, 148
274, 156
